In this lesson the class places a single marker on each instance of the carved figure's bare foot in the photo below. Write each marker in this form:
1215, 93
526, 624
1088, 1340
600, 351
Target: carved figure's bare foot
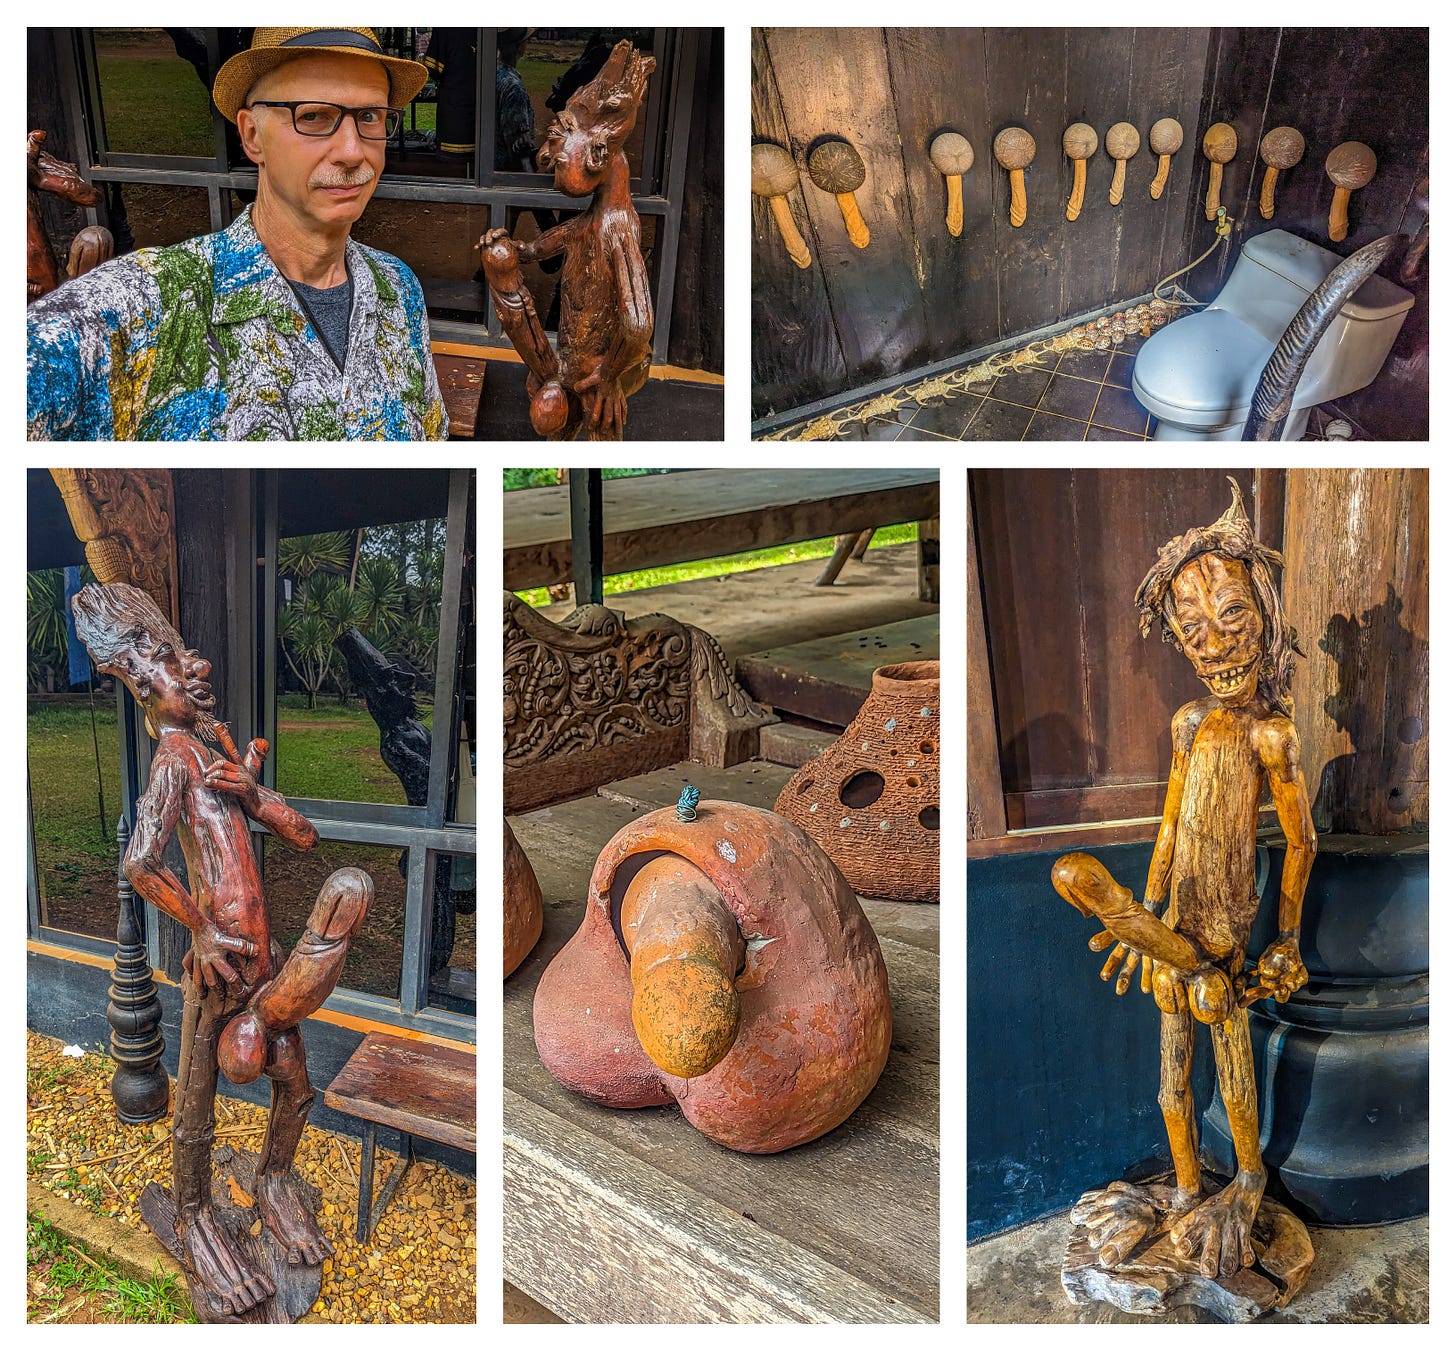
290, 1220
216, 1262
1118, 1217
1218, 1233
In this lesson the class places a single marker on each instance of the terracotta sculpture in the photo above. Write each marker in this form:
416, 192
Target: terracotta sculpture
522, 914
723, 963
604, 339
242, 1002
92, 245
871, 801
1212, 591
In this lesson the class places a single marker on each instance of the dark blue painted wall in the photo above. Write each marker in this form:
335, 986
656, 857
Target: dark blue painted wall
1062, 1075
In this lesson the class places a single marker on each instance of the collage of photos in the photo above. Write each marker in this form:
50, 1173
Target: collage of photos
1181, 1069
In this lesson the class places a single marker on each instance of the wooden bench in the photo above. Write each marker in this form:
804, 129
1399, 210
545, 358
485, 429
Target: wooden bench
416, 1087
704, 513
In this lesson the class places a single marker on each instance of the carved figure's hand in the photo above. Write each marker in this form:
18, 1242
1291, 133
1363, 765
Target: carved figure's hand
223, 776
1128, 959
1281, 971
207, 960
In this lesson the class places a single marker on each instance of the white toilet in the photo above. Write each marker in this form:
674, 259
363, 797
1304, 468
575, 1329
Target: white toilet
1197, 376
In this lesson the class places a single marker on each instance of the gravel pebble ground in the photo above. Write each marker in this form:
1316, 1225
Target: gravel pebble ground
418, 1266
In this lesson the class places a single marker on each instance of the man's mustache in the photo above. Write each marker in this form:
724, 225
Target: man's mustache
343, 178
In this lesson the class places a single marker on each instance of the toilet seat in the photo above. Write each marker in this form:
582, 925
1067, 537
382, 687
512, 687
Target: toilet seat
1206, 375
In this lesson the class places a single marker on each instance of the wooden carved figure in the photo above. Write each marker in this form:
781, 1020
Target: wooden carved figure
1164, 140
1079, 142
242, 1001
835, 167
1122, 144
1014, 149
604, 338
1213, 594
1350, 166
1220, 145
774, 175
953, 156
1281, 148
93, 245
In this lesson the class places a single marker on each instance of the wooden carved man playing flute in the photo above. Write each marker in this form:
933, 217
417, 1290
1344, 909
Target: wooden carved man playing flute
242, 1001
1212, 591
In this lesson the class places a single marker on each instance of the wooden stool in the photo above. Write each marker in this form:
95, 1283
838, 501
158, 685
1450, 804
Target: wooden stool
415, 1087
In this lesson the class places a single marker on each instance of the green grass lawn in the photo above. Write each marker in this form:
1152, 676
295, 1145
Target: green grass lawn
155, 106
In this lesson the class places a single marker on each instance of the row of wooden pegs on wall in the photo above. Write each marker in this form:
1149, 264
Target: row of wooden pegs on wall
836, 167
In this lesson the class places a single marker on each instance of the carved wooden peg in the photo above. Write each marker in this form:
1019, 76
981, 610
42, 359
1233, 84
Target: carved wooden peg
1220, 145
836, 167
1350, 167
952, 154
774, 175
1014, 149
1281, 148
1122, 144
1079, 142
1165, 140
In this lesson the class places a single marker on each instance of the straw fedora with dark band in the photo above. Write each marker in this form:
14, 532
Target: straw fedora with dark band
273, 46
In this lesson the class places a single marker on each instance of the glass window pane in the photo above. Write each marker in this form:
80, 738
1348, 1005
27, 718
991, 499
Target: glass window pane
156, 91
436, 240
292, 881
452, 946
75, 778
358, 615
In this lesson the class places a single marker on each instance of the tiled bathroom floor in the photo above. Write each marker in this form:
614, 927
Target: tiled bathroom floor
1087, 397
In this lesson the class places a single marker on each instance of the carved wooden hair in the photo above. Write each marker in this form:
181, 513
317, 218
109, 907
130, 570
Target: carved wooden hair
606, 107
117, 618
1231, 536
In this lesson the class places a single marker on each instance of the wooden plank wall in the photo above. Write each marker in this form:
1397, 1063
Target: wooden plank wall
1333, 85
915, 295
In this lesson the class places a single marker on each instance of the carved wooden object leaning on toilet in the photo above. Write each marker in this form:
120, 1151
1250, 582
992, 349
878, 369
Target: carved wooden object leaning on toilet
1213, 595
725, 965
872, 799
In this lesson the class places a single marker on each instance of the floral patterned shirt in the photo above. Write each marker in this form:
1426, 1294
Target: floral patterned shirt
206, 340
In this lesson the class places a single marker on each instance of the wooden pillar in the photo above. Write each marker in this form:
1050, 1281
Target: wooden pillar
927, 559
1356, 587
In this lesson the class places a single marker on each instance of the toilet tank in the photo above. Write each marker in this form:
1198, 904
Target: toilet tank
1276, 273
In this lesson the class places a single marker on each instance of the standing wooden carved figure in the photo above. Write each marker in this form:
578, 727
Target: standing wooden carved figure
604, 338
1213, 594
242, 1002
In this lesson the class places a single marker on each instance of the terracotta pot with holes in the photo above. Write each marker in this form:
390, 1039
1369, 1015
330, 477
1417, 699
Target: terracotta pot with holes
724, 964
872, 800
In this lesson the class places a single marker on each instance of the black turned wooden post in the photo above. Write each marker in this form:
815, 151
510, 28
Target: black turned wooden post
139, 1086
586, 534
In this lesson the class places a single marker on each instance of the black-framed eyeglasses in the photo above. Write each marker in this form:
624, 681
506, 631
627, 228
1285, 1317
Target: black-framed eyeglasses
324, 119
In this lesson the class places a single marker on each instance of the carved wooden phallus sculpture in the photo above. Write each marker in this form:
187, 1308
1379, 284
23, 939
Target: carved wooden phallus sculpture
523, 914
1220, 145
1014, 149
242, 1001
724, 964
1350, 167
872, 799
92, 245
604, 338
953, 156
1079, 141
774, 176
1122, 144
1281, 148
1164, 140
836, 167
1226, 1247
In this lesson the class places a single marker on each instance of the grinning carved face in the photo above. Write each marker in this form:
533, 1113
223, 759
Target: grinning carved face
1219, 626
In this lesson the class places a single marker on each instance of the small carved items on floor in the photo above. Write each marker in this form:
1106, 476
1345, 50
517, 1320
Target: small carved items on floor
242, 1002
1220, 145
1014, 149
724, 964
523, 914
92, 245
1122, 144
1350, 165
604, 338
1281, 148
952, 155
1165, 140
1079, 142
1213, 595
836, 167
872, 799
774, 176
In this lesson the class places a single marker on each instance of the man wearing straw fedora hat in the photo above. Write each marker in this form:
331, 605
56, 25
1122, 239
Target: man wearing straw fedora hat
280, 327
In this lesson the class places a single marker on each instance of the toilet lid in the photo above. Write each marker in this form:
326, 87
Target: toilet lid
1208, 363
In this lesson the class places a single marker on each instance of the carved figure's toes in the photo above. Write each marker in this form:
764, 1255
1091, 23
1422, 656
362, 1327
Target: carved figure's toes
289, 1220
1117, 1218
1218, 1234
219, 1266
